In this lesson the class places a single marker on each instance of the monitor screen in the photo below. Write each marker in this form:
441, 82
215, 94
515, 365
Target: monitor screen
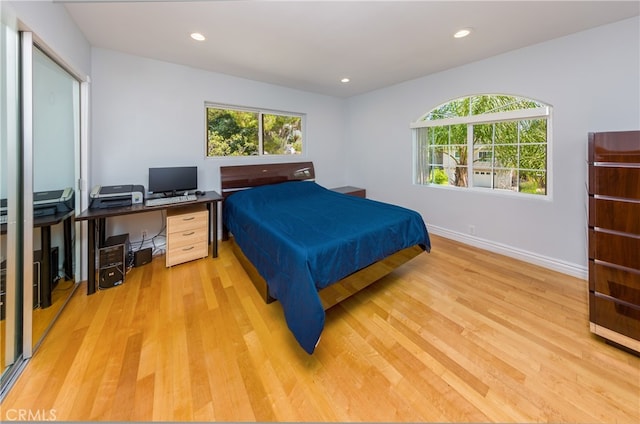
173, 180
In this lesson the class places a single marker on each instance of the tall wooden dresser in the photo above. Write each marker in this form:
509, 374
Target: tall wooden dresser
614, 236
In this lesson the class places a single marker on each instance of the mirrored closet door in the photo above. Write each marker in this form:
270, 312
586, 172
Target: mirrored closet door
56, 135
40, 112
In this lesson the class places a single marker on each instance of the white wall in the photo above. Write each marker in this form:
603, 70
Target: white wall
54, 28
147, 113
592, 80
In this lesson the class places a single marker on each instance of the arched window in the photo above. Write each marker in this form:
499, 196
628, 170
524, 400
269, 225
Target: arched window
490, 141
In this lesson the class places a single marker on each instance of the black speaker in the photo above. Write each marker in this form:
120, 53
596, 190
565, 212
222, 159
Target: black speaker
142, 257
113, 261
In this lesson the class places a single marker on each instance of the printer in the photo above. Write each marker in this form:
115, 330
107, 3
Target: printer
102, 197
46, 203
51, 202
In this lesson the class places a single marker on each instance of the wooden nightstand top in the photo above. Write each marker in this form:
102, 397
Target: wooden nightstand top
353, 191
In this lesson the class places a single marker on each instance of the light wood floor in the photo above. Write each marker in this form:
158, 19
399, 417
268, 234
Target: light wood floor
458, 335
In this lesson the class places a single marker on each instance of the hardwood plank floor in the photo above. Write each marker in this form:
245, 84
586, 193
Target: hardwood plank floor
457, 335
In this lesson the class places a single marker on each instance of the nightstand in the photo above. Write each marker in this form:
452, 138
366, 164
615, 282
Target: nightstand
353, 191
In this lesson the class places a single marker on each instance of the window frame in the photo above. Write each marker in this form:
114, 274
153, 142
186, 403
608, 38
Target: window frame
260, 112
542, 112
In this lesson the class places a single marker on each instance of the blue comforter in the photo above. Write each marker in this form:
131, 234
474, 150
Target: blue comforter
302, 237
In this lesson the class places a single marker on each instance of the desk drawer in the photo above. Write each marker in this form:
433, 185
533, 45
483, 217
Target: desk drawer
186, 237
179, 222
185, 253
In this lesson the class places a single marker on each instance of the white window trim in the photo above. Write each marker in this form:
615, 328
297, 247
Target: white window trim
486, 118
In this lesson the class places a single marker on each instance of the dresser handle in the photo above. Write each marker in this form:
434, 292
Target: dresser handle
189, 234
189, 219
187, 248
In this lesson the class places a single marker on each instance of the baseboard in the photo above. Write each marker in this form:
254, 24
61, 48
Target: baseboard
573, 270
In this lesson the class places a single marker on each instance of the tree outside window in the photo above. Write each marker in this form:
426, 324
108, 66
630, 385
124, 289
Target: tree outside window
237, 132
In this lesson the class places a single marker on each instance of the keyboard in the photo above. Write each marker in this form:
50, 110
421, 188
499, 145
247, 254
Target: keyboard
161, 201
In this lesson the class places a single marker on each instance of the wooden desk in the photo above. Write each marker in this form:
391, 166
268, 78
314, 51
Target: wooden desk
45, 223
99, 216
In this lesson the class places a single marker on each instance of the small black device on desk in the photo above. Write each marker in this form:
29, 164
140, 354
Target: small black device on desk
103, 197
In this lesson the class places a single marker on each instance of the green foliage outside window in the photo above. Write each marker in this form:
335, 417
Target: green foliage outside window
282, 134
232, 132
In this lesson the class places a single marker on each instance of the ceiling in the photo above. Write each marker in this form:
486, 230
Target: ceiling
311, 45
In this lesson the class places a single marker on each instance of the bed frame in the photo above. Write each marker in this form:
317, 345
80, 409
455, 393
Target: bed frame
235, 178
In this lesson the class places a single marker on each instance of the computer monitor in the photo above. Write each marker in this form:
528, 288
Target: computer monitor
173, 180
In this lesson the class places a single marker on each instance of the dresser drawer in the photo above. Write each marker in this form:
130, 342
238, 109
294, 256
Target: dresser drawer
623, 284
615, 146
623, 216
615, 181
614, 315
616, 249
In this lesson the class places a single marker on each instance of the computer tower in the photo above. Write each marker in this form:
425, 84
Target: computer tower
54, 258
113, 261
36, 283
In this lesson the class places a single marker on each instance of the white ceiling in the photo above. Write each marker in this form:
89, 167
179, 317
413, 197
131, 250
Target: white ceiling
311, 45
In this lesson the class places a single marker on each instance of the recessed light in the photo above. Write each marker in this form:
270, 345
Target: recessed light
197, 36
345, 80
462, 33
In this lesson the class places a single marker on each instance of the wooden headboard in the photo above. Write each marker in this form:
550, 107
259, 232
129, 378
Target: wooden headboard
235, 178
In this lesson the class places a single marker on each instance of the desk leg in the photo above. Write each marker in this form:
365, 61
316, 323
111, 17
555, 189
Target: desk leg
45, 267
102, 231
91, 256
213, 226
68, 253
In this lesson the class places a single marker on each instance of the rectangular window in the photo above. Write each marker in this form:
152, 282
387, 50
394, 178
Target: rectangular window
244, 132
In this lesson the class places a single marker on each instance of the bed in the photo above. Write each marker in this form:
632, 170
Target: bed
310, 247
